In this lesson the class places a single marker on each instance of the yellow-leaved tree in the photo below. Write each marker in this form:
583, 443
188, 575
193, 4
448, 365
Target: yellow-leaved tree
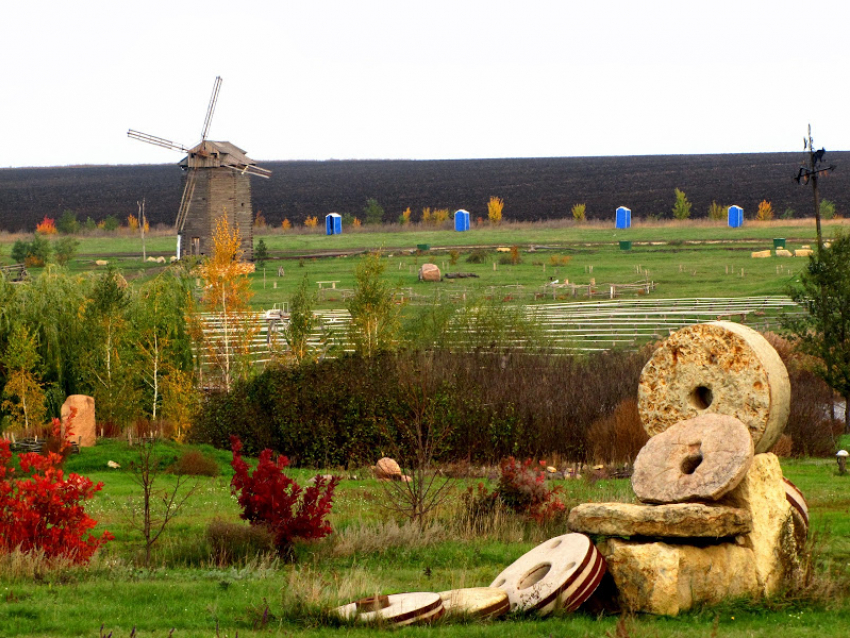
224, 328
494, 210
24, 395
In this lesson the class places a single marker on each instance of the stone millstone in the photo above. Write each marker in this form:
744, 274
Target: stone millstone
399, 609
476, 602
536, 581
720, 367
680, 520
700, 459
83, 425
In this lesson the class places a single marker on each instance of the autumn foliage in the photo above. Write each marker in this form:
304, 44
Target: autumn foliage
270, 498
522, 489
47, 226
765, 211
43, 510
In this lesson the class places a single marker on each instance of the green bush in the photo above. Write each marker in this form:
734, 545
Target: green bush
347, 411
477, 256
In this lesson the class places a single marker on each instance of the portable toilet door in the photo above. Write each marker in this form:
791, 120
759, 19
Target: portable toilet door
736, 216
624, 217
461, 220
333, 224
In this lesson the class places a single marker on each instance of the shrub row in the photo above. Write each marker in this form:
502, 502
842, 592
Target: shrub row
480, 406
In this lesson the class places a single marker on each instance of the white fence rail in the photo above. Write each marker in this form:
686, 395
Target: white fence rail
570, 327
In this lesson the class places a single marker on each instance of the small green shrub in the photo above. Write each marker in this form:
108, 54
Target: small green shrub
237, 542
477, 256
194, 463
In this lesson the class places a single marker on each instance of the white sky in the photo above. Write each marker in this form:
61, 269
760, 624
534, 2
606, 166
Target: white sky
400, 79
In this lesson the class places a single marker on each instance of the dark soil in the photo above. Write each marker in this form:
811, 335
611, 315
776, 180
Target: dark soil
532, 189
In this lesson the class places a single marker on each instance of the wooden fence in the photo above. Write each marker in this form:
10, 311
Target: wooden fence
569, 327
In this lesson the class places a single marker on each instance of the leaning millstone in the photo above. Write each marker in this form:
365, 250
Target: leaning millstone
719, 367
681, 520
762, 493
662, 578
700, 459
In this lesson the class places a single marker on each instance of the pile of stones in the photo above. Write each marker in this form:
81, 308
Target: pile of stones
716, 518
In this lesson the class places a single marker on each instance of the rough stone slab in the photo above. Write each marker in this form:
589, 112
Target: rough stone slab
682, 520
429, 272
762, 493
387, 468
720, 367
665, 579
700, 459
83, 426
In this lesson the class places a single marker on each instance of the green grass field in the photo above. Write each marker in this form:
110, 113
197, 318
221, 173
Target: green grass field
370, 551
692, 259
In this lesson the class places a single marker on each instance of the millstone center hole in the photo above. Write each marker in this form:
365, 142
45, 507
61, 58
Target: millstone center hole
691, 463
534, 576
702, 397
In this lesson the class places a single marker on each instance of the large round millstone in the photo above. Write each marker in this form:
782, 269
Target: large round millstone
720, 367
538, 580
700, 459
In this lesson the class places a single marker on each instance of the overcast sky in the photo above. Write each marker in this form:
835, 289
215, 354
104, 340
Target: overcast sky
363, 79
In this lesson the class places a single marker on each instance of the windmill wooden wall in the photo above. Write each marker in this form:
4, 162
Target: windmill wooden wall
218, 190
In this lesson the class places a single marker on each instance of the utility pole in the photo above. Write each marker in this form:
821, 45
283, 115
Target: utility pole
142, 222
810, 173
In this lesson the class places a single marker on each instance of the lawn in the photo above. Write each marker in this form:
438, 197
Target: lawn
694, 259
187, 591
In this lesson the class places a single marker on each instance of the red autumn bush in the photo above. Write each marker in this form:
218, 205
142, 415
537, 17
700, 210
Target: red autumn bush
269, 497
43, 510
521, 489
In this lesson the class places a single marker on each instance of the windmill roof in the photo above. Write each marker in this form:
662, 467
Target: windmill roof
229, 153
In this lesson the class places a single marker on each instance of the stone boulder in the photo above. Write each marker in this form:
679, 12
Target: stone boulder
662, 578
429, 272
699, 459
388, 469
681, 520
762, 493
83, 426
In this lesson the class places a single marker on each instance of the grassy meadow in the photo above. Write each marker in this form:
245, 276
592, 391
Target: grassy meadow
683, 259
188, 591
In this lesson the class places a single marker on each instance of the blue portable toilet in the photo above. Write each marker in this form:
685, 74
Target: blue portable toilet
624, 217
333, 224
736, 216
461, 220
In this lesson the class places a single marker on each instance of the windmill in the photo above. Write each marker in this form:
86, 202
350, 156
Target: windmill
217, 183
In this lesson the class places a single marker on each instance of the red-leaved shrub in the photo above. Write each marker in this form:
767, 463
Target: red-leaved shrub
43, 510
269, 497
521, 489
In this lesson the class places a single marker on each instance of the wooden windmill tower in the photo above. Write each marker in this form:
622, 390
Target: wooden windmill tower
217, 184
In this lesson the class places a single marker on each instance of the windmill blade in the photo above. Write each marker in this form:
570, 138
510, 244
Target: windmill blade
211, 108
185, 202
250, 169
156, 141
